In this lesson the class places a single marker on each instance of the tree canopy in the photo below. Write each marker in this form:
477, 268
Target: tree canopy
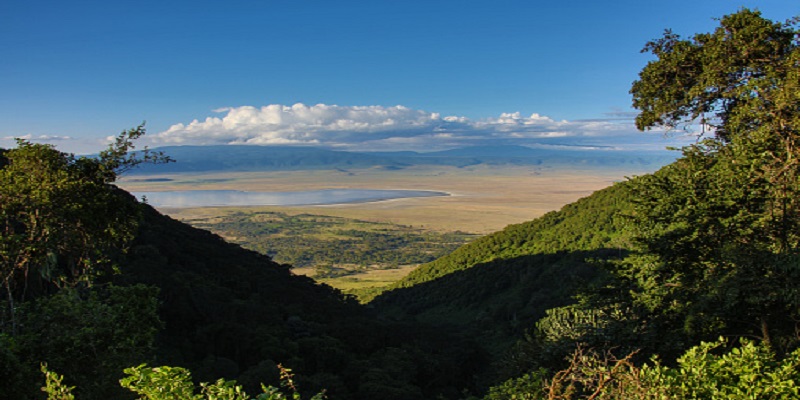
719, 228
62, 220
743, 77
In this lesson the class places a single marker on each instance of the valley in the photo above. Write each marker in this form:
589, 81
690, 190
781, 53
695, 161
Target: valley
483, 199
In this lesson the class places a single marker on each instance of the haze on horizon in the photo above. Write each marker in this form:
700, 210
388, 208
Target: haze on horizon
352, 75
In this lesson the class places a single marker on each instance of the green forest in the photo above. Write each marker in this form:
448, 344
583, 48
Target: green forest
681, 284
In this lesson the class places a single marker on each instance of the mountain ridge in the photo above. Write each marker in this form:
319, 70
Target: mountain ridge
289, 158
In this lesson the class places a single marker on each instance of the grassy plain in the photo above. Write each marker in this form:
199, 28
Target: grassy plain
483, 199
367, 279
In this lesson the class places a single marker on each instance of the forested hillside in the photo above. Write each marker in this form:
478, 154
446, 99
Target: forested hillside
99, 283
705, 304
662, 265
497, 286
234, 313
595, 222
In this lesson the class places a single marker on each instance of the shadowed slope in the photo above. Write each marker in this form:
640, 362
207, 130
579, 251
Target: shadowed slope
233, 313
499, 285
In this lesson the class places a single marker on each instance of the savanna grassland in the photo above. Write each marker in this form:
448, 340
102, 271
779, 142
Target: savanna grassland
483, 199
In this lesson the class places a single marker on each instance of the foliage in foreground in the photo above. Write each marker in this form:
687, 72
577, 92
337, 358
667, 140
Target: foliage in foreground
175, 383
706, 371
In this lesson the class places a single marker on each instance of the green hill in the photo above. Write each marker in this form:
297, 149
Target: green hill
592, 223
497, 286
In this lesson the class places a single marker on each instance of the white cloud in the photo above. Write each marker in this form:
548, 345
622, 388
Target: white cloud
394, 128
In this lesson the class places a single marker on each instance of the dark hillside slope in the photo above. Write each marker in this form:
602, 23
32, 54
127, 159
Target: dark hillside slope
218, 298
499, 285
233, 313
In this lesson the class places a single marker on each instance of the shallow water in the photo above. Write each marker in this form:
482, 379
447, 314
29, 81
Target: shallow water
212, 198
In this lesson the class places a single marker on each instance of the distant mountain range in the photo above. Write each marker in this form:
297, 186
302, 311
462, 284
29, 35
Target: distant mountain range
287, 158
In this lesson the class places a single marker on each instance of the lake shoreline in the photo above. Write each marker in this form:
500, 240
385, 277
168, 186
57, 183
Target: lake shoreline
481, 200
242, 198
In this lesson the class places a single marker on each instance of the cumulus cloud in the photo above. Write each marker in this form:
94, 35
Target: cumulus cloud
393, 128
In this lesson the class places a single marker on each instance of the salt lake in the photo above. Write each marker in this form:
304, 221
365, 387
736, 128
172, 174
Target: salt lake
215, 198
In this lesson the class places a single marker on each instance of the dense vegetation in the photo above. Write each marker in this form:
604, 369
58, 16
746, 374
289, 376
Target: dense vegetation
708, 246
329, 243
716, 233
624, 294
593, 223
500, 284
176, 295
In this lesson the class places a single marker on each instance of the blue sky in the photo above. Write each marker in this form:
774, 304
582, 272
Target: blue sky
375, 75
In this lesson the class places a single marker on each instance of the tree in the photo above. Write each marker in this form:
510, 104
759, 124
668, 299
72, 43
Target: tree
62, 219
719, 230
